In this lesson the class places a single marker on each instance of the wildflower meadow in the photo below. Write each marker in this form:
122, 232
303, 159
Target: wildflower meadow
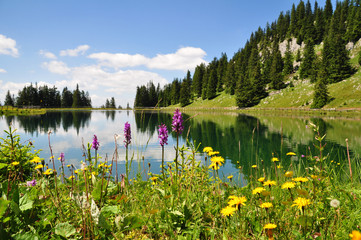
188, 199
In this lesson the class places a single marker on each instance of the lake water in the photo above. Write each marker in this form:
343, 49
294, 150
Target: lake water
241, 139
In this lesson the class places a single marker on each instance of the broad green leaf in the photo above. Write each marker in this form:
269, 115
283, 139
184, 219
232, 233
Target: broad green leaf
26, 236
64, 229
3, 165
111, 209
25, 202
3, 206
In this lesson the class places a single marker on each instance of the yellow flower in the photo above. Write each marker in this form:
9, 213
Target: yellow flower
279, 166
228, 211
355, 235
68, 165
288, 185
76, 171
214, 166
207, 149
237, 201
154, 179
254, 166
266, 205
15, 163
258, 190
269, 183
270, 226
39, 166
93, 173
48, 171
101, 165
35, 160
217, 160
300, 179
274, 159
301, 202
230, 177
261, 179
212, 153
291, 154
289, 174
71, 177
314, 176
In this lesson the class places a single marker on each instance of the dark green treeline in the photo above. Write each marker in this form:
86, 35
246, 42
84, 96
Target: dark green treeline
259, 66
46, 97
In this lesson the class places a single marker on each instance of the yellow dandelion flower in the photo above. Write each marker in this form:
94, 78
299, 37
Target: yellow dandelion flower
35, 160
153, 178
214, 166
274, 159
207, 149
254, 166
93, 173
269, 183
289, 174
71, 177
301, 202
300, 179
314, 176
279, 166
261, 179
39, 166
288, 185
212, 153
355, 235
258, 190
230, 177
291, 154
76, 171
48, 171
270, 226
15, 163
266, 205
68, 165
237, 201
101, 165
217, 160
228, 211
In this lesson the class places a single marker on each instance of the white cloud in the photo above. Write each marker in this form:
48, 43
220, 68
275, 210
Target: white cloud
57, 67
47, 54
186, 58
2, 70
119, 60
75, 52
8, 46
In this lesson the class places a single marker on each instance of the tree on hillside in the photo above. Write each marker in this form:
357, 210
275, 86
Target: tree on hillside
321, 96
276, 68
197, 79
66, 98
221, 71
9, 100
212, 84
309, 56
185, 93
288, 61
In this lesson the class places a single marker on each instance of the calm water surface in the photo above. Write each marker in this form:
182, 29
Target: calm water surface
242, 140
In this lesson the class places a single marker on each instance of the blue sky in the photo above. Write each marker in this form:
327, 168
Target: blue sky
109, 47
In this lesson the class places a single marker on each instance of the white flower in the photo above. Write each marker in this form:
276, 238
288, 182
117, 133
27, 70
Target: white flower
335, 203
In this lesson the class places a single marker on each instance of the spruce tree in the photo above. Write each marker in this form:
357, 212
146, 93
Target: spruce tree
212, 84
9, 100
185, 93
276, 68
198, 79
288, 61
309, 56
76, 97
321, 96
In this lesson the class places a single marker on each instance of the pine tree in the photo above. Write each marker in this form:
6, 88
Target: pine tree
197, 79
185, 95
321, 96
276, 68
221, 71
309, 56
212, 84
76, 97
288, 61
9, 100
112, 103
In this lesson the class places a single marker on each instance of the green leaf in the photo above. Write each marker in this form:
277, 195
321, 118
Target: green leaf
103, 222
3, 165
25, 202
26, 236
3, 206
111, 209
64, 229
